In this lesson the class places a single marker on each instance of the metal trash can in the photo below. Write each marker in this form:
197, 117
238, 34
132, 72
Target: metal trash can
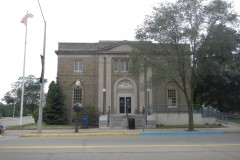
85, 121
131, 123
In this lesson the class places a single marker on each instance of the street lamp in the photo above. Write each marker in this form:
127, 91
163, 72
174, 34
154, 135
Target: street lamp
148, 110
78, 106
104, 100
42, 76
14, 106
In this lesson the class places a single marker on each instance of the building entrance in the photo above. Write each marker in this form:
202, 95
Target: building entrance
125, 105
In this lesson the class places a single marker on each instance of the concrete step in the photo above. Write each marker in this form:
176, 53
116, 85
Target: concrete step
121, 121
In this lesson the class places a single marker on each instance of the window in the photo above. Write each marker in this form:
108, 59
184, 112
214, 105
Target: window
124, 65
77, 95
78, 65
115, 65
171, 98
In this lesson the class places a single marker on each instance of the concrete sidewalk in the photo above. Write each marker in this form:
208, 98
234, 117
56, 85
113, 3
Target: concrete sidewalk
119, 132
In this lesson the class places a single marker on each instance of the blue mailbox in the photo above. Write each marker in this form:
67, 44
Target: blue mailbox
84, 121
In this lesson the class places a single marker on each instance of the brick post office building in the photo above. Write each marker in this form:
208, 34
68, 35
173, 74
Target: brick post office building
102, 69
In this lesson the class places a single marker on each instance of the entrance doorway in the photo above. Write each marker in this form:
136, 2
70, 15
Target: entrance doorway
125, 97
125, 105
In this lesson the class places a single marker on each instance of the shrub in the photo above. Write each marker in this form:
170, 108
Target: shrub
35, 114
93, 114
54, 111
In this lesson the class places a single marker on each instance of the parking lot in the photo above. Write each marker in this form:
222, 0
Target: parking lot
10, 121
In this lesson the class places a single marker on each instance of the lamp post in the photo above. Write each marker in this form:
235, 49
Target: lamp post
148, 110
104, 100
42, 76
108, 115
14, 106
77, 107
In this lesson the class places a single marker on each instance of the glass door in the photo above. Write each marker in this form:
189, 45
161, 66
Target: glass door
128, 104
125, 105
122, 105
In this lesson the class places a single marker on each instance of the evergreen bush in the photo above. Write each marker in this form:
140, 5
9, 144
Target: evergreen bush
54, 110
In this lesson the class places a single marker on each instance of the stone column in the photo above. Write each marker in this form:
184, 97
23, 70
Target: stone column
100, 82
108, 82
141, 92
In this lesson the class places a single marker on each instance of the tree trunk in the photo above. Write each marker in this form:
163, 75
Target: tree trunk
190, 115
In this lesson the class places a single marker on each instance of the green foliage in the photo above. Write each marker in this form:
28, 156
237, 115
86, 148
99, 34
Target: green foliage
219, 52
54, 111
220, 92
1, 109
218, 82
31, 94
181, 30
93, 114
34, 126
6, 110
35, 114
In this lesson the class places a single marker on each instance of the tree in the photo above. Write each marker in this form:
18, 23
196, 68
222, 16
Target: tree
2, 109
92, 112
54, 111
179, 30
219, 92
219, 82
31, 94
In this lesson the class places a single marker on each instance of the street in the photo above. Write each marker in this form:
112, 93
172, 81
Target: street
224, 146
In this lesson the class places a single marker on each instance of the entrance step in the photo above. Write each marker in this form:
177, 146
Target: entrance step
118, 121
121, 121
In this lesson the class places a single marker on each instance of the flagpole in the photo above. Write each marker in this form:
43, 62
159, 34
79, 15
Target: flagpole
23, 77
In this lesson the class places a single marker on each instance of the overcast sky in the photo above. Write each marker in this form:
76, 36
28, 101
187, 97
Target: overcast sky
67, 21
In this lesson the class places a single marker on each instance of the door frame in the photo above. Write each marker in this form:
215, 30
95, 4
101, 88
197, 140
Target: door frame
118, 102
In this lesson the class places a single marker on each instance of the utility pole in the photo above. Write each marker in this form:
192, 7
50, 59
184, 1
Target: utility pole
42, 76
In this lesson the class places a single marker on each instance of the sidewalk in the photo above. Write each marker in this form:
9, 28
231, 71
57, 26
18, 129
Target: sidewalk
119, 132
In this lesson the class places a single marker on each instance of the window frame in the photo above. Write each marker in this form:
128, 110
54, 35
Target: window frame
78, 65
77, 95
124, 65
115, 65
172, 98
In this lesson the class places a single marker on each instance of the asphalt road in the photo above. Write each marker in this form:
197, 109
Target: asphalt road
165, 147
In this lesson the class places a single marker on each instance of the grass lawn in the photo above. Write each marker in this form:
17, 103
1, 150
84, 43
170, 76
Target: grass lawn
34, 126
234, 120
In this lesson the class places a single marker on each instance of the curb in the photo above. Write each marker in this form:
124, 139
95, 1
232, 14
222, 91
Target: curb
181, 133
78, 134
121, 134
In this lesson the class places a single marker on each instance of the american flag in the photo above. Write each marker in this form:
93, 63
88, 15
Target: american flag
24, 19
